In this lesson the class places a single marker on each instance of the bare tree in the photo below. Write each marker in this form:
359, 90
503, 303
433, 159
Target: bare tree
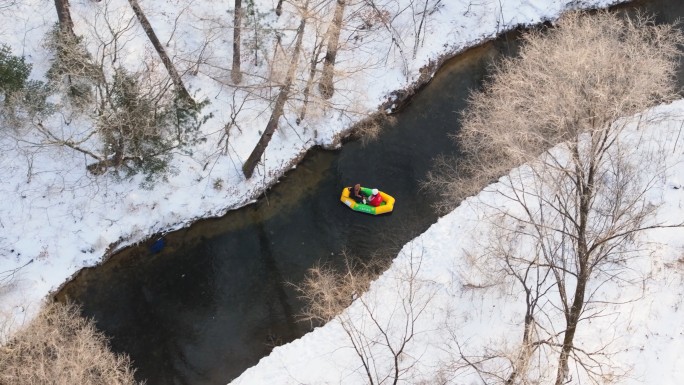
421, 26
380, 331
379, 15
283, 95
580, 84
504, 259
64, 16
564, 84
173, 73
313, 65
236, 74
325, 85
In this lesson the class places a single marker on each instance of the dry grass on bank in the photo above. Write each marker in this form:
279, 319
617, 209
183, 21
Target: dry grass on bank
59, 347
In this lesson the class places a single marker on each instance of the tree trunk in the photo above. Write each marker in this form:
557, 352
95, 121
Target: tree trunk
175, 77
585, 195
326, 86
312, 73
236, 74
571, 320
255, 156
64, 16
526, 348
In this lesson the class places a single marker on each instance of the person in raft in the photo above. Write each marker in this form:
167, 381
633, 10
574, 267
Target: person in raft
375, 199
355, 193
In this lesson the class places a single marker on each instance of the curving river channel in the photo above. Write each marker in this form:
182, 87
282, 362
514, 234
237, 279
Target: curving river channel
214, 300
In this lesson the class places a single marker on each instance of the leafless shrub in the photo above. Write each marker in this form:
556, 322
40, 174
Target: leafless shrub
59, 347
369, 129
327, 290
380, 341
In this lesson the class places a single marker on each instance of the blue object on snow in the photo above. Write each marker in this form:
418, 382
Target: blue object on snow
157, 246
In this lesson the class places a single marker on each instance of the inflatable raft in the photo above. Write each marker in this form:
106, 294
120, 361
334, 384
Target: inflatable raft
386, 206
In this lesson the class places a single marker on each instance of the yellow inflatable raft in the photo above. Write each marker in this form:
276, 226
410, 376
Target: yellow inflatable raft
386, 206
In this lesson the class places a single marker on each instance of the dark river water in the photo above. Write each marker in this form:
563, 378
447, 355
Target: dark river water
215, 299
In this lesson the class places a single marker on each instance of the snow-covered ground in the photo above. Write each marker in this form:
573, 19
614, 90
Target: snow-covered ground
55, 218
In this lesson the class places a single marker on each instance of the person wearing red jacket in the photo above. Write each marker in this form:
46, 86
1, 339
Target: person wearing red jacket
375, 199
